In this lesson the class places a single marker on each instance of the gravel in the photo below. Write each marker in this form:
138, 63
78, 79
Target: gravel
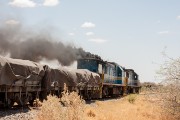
18, 114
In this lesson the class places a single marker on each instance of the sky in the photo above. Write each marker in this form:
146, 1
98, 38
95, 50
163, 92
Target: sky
132, 33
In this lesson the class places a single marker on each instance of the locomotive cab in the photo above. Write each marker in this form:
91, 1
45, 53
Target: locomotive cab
92, 65
133, 81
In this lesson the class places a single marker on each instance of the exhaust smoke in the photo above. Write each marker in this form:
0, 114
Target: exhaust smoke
26, 44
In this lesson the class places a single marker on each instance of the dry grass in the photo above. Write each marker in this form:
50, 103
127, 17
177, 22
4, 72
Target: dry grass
132, 98
122, 109
51, 109
72, 107
69, 107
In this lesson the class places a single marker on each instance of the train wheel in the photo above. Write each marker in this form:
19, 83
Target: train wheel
9, 103
89, 97
31, 102
22, 101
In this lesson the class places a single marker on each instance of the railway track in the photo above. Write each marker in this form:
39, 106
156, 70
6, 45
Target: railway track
17, 113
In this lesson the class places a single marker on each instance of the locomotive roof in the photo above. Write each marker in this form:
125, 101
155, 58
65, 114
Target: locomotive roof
102, 61
117, 65
129, 70
90, 58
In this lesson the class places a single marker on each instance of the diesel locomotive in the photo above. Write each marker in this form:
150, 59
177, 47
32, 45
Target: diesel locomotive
115, 79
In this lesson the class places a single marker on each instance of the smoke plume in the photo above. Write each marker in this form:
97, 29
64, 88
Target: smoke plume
27, 44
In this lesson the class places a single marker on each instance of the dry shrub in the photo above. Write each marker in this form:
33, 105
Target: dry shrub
37, 103
51, 109
158, 99
69, 107
171, 100
169, 92
91, 114
131, 98
74, 105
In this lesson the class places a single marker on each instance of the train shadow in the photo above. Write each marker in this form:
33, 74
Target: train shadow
14, 110
108, 98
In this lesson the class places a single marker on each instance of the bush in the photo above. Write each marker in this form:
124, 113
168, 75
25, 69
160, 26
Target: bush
132, 98
69, 107
91, 114
170, 95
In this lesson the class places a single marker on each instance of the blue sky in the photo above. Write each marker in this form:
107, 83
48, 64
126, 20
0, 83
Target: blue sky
132, 33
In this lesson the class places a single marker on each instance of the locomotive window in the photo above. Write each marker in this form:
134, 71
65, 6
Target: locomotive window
119, 72
94, 70
127, 74
105, 69
88, 64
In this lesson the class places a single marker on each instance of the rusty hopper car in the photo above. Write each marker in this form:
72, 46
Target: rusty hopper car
20, 81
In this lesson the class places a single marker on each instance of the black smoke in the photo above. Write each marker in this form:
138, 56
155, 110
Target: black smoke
35, 45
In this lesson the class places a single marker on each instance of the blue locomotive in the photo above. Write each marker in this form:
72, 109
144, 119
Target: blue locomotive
115, 79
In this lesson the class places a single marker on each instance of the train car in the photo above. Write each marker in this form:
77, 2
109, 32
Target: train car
23, 81
84, 82
20, 81
115, 80
133, 81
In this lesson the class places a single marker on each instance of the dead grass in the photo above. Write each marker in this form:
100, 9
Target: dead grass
69, 107
72, 107
51, 109
122, 109
132, 98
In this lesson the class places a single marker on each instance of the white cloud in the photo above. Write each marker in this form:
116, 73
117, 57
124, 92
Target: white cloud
178, 17
23, 3
163, 32
89, 33
71, 34
51, 2
98, 40
12, 22
88, 25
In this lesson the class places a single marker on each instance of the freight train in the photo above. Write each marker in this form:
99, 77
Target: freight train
23, 81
